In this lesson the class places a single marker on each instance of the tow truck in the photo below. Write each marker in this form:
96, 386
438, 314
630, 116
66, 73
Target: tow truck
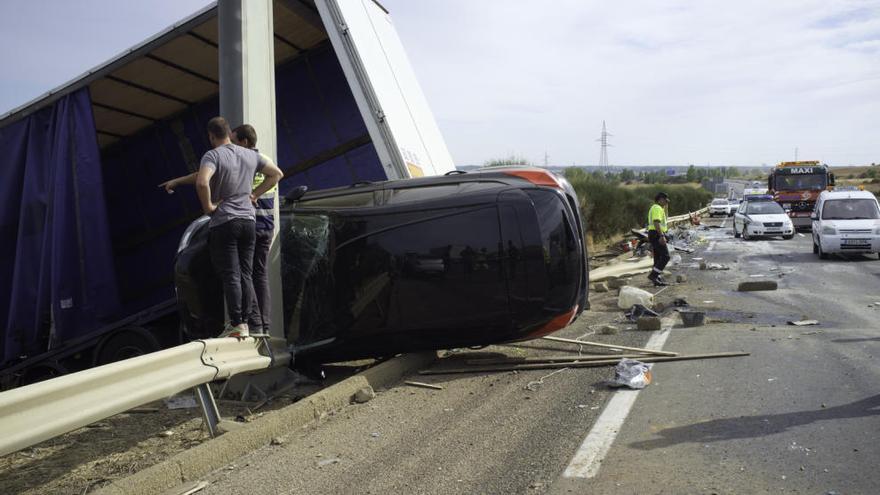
796, 187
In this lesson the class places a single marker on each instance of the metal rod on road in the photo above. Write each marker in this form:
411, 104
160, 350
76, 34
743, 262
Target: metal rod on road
549, 359
609, 346
581, 364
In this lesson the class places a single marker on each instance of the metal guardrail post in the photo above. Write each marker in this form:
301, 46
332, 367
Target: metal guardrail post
210, 413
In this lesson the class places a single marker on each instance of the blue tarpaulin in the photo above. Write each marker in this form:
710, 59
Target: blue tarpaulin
54, 258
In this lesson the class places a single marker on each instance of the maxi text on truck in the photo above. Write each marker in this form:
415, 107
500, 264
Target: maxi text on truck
797, 185
86, 260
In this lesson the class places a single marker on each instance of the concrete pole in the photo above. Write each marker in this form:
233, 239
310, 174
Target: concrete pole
247, 96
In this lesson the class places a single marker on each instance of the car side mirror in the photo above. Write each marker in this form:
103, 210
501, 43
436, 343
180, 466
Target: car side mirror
296, 193
831, 179
814, 216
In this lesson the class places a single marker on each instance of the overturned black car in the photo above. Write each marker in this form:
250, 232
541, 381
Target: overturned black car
377, 269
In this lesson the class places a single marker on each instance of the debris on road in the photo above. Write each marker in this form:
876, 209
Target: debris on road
576, 364
189, 488
692, 318
181, 402
681, 279
327, 462
608, 330
617, 283
715, 266
648, 323
610, 346
757, 285
631, 373
424, 385
365, 394
803, 323
633, 295
637, 311
600, 287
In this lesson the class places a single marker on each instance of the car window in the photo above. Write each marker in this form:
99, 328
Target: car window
850, 209
422, 193
559, 246
719, 202
764, 208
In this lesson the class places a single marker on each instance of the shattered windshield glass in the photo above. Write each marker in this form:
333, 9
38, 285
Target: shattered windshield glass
306, 267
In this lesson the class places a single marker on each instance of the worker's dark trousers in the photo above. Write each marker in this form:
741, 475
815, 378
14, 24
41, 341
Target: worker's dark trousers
263, 301
231, 245
661, 252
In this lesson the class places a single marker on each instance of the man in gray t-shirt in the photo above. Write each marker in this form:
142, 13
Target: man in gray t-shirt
224, 183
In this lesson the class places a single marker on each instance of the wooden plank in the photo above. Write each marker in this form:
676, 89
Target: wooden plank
609, 346
424, 385
582, 364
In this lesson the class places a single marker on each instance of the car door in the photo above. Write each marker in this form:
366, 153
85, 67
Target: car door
739, 216
816, 222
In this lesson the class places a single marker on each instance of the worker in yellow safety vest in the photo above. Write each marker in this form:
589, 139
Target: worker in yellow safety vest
657, 236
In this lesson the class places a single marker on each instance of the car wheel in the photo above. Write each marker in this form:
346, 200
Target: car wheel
815, 248
745, 234
787, 237
735, 233
822, 254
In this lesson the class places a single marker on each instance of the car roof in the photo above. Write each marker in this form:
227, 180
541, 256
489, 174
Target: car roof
847, 195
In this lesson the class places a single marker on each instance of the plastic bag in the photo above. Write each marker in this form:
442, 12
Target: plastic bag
631, 373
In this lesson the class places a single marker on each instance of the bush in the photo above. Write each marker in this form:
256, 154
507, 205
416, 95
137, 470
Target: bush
609, 209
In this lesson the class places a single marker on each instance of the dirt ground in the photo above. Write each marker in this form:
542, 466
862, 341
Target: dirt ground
83, 460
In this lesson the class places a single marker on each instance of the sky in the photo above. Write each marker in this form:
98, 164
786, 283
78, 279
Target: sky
677, 82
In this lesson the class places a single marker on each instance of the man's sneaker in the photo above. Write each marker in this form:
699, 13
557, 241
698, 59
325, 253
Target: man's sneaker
659, 282
238, 331
652, 276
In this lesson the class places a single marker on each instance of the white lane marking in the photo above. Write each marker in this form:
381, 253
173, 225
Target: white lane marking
711, 246
589, 457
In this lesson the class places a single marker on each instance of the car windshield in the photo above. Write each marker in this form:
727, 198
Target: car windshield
850, 209
764, 208
814, 182
719, 202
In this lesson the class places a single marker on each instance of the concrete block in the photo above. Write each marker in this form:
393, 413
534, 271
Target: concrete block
756, 285
681, 279
648, 323
617, 283
600, 287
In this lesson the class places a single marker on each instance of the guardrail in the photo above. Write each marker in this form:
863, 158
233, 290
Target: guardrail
671, 221
33, 413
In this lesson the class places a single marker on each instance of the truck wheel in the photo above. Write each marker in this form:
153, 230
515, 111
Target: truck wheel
125, 344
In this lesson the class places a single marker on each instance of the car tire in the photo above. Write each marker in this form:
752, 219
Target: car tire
125, 344
815, 248
788, 237
745, 235
735, 233
822, 254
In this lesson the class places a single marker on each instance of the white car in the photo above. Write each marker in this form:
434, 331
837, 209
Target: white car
719, 207
846, 222
761, 218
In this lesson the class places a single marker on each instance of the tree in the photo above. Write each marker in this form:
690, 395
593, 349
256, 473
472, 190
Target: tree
692, 174
627, 175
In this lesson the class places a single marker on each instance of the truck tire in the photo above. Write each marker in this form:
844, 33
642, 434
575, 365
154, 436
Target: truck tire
125, 344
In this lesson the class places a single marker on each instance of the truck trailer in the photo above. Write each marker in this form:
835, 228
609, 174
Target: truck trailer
86, 260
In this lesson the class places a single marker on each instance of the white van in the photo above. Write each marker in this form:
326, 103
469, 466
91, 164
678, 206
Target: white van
846, 222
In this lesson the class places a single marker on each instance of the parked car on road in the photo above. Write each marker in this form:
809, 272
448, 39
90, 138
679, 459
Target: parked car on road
719, 207
376, 269
761, 218
846, 222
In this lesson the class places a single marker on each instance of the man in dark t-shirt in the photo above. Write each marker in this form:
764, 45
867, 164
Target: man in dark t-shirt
224, 186
246, 136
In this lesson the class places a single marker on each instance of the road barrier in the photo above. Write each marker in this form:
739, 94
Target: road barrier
38, 412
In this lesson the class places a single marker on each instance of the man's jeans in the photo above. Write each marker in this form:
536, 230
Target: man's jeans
232, 252
261, 277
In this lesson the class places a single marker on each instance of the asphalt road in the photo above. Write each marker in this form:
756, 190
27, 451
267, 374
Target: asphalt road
801, 414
